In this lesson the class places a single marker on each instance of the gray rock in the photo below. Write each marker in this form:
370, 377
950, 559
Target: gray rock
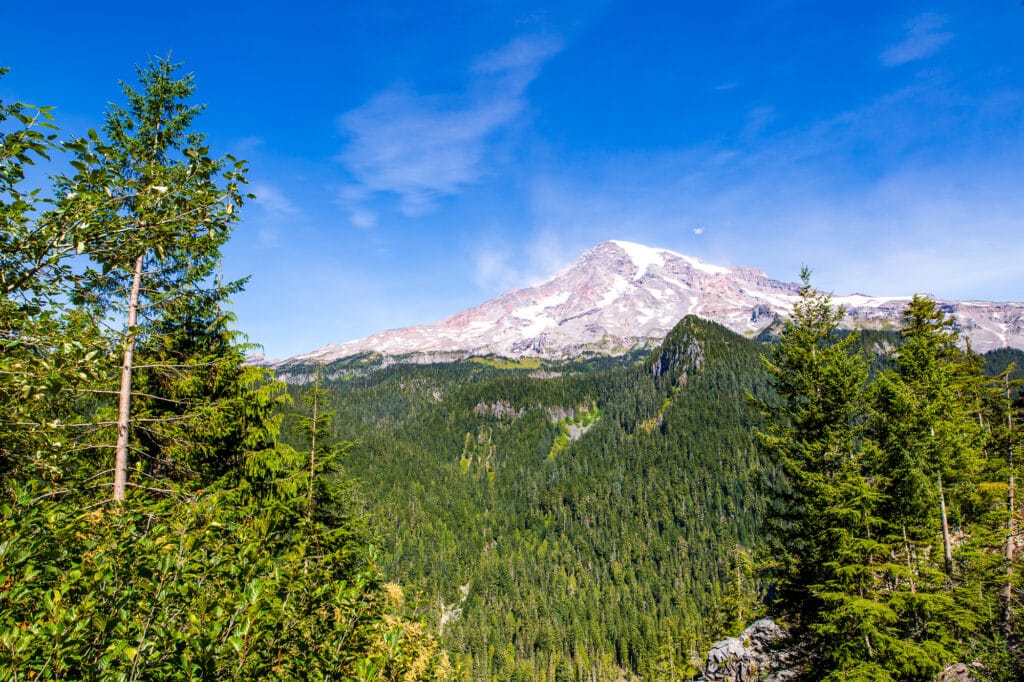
754, 656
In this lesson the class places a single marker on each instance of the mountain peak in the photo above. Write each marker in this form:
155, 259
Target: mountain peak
642, 257
645, 257
621, 295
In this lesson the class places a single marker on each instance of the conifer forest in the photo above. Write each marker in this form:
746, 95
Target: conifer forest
170, 511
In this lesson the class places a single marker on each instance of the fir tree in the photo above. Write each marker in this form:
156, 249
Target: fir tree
155, 210
825, 539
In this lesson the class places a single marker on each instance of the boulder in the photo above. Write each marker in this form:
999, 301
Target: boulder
754, 656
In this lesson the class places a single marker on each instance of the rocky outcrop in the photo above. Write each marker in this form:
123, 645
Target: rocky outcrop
764, 653
757, 655
499, 408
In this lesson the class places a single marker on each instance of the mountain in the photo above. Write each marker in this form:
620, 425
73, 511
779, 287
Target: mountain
620, 295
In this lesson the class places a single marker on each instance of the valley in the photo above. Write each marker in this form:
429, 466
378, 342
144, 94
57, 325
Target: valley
621, 551
593, 519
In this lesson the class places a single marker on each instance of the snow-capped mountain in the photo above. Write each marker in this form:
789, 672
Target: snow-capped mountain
620, 295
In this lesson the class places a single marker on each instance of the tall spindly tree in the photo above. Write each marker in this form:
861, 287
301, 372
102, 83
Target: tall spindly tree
156, 210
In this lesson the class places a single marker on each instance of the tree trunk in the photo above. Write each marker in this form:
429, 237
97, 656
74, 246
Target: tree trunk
125, 397
946, 542
312, 448
906, 552
1010, 525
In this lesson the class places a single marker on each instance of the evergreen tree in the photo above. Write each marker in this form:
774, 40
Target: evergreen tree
930, 432
324, 452
1005, 453
825, 538
157, 210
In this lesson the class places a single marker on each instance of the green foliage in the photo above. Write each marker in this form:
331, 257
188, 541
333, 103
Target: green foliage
894, 546
505, 363
46, 350
149, 188
531, 551
222, 564
825, 533
225, 583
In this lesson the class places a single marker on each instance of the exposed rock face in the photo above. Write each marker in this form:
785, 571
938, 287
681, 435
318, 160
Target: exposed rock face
754, 656
499, 408
761, 654
620, 295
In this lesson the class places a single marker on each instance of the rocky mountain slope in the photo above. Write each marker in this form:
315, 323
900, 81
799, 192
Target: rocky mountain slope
621, 295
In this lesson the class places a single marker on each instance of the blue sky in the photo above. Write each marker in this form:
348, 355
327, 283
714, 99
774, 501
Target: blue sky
414, 159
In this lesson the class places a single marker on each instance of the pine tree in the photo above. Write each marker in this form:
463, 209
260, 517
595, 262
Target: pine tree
155, 210
930, 442
1006, 454
825, 538
317, 427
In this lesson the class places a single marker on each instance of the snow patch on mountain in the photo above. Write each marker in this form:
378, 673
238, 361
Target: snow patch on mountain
643, 257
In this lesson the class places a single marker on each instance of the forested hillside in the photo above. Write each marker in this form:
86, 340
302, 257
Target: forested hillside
593, 521
587, 525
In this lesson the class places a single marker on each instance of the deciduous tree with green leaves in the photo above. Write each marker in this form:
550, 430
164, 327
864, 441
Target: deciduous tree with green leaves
46, 348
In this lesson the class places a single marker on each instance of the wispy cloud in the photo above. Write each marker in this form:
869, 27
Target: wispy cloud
493, 269
273, 207
247, 145
924, 38
421, 147
758, 120
413, 146
363, 218
273, 201
498, 266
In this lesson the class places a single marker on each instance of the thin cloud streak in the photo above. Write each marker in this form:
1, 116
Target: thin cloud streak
924, 38
273, 201
499, 267
422, 147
